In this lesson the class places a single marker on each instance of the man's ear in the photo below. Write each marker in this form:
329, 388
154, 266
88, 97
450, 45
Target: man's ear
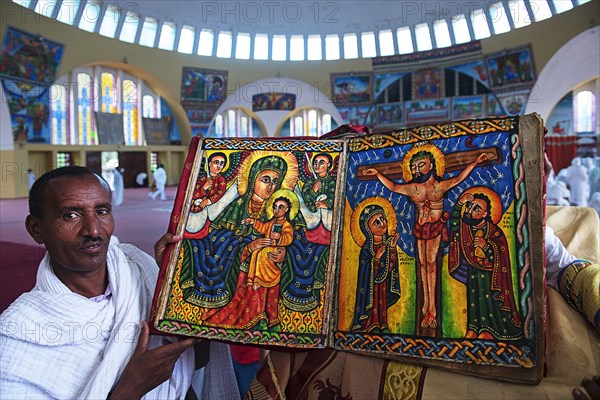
33, 226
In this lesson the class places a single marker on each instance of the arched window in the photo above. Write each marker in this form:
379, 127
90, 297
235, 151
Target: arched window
584, 108
298, 126
312, 123
108, 99
85, 93
326, 123
231, 123
58, 114
149, 107
130, 113
219, 126
244, 126
308, 122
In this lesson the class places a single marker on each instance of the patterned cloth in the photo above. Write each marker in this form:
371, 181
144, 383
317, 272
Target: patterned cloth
328, 374
580, 285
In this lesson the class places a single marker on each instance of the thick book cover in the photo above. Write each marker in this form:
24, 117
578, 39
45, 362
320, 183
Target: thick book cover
423, 244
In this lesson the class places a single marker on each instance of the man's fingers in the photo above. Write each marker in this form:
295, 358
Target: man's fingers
176, 348
592, 388
142, 344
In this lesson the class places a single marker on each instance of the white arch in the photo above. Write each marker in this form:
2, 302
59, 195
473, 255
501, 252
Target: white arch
306, 96
575, 62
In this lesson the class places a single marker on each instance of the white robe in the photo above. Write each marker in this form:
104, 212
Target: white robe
58, 344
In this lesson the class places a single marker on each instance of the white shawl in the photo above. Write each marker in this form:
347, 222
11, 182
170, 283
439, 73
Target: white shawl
57, 344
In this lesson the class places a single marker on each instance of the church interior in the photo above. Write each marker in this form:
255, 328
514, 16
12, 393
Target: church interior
122, 87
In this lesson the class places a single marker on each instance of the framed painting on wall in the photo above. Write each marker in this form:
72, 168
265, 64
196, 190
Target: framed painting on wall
427, 111
514, 101
358, 115
390, 114
29, 57
274, 101
468, 107
511, 67
428, 84
199, 84
350, 88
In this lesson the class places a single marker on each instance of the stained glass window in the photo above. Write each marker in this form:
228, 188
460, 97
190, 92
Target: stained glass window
85, 93
130, 113
58, 114
108, 99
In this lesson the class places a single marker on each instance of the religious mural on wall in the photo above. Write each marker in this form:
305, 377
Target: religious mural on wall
428, 84
205, 85
202, 92
29, 57
28, 66
28, 105
352, 88
274, 101
511, 67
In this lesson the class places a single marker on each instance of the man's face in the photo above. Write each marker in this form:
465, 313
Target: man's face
216, 165
378, 224
76, 224
266, 183
421, 169
321, 165
475, 212
280, 207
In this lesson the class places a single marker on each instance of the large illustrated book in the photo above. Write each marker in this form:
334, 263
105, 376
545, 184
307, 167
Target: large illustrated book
423, 244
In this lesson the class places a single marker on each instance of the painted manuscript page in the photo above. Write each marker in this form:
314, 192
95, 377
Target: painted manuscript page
442, 244
256, 265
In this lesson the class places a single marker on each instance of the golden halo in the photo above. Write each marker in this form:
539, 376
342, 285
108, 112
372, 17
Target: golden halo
291, 176
290, 195
496, 213
388, 209
440, 160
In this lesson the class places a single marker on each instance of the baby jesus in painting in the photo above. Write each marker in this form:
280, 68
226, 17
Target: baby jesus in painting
279, 231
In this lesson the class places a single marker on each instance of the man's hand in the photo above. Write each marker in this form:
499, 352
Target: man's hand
592, 386
161, 245
148, 368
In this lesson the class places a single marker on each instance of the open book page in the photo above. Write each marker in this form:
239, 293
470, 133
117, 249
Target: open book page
258, 221
443, 247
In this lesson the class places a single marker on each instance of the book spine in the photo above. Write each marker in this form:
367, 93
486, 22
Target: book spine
172, 228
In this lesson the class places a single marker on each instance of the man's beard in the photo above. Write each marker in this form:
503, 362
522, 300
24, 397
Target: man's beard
422, 178
471, 221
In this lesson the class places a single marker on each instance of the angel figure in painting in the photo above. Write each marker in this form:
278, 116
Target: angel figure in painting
208, 190
378, 283
425, 164
318, 193
479, 258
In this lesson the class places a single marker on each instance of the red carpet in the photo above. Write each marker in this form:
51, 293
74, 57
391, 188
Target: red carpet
139, 220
